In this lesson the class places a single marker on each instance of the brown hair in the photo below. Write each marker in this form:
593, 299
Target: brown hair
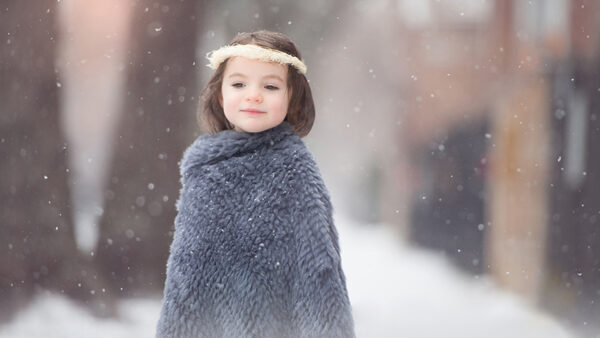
301, 108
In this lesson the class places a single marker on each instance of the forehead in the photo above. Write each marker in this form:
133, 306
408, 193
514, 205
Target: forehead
252, 67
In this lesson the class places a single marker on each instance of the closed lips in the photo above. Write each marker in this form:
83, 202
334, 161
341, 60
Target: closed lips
252, 111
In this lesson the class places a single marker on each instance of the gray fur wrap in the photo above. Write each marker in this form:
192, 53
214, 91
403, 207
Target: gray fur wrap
255, 252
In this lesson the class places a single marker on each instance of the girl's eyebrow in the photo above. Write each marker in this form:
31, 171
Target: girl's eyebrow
270, 76
237, 74
273, 76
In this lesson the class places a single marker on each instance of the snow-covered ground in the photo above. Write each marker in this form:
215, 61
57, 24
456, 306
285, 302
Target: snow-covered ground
402, 291
54, 316
396, 291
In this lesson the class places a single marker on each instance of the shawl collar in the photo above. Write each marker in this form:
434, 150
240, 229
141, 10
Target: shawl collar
213, 148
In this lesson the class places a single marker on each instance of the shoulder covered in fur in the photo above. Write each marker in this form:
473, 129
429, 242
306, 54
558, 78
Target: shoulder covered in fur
255, 251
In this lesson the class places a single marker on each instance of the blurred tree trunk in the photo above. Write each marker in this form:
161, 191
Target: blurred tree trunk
586, 206
36, 230
517, 188
159, 108
574, 261
518, 184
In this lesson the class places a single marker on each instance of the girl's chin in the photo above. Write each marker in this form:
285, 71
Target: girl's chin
250, 129
255, 125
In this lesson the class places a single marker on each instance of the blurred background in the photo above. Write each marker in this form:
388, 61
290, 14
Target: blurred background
459, 140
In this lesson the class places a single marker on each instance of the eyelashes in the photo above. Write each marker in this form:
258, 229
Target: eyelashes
242, 85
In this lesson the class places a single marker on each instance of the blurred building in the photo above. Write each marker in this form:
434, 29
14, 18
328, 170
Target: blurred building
501, 128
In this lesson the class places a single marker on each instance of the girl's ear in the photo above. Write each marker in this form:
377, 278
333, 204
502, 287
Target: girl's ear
221, 99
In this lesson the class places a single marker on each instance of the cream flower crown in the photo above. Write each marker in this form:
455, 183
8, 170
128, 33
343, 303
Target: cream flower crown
216, 57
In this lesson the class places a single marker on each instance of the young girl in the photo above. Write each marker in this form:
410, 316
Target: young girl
255, 251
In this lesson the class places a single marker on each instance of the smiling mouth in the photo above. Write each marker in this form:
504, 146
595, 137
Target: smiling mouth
252, 111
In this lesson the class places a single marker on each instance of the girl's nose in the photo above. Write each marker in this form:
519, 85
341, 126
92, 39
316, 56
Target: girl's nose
257, 98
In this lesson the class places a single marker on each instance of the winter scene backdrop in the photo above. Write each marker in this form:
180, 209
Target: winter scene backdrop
456, 138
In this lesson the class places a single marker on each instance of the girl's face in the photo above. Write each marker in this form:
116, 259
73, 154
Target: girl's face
254, 94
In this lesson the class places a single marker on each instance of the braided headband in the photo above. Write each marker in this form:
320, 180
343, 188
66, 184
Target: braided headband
216, 57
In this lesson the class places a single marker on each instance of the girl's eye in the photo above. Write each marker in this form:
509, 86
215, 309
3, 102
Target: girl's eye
271, 87
237, 85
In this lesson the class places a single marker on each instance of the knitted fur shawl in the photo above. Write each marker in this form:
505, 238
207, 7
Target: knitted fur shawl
255, 252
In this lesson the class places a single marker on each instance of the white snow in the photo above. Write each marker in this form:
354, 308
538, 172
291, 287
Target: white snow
52, 315
396, 291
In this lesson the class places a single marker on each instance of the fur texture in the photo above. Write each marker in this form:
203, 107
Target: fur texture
255, 251
216, 57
